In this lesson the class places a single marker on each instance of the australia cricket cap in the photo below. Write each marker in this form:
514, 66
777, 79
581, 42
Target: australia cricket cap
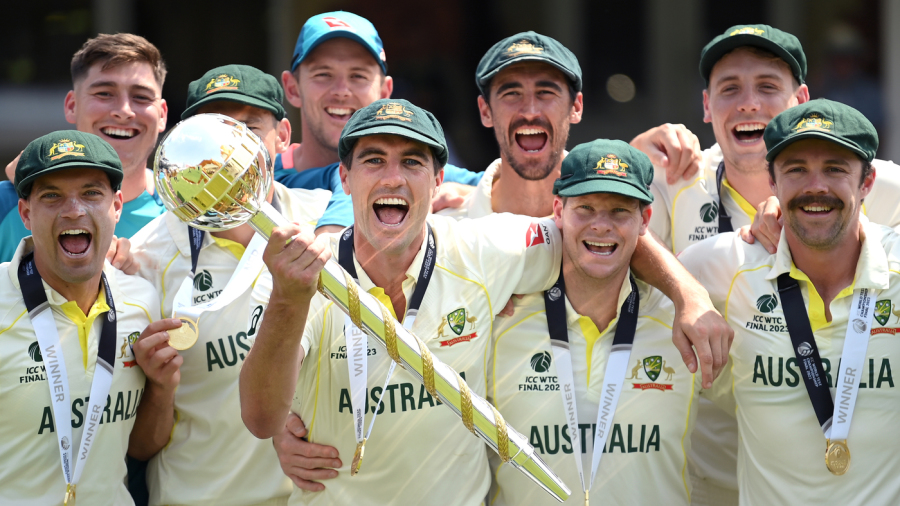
784, 45
822, 119
605, 166
66, 149
329, 25
236, 83
527, 46
394, 117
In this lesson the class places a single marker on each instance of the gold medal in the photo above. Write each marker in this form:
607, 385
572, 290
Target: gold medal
184, 336
70, 495
357, 457
837, 457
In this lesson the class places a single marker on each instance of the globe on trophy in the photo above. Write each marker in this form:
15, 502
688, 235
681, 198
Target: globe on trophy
214, 174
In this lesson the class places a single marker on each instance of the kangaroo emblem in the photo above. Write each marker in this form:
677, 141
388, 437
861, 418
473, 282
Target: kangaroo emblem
668, 370
634, 371
124, 344
441, 328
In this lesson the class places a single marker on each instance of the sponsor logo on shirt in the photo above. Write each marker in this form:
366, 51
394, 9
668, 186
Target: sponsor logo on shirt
203, 282
784, 371
709, 212
537, 234
652, 366
540, 363
34, 372
456, 321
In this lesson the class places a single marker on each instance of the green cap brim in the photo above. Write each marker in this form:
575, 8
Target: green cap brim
240, 98
23, 187
606, 186
402, 132
573, 79
814, 134
716, 53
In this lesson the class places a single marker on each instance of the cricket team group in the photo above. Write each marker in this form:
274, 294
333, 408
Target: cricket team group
664, 324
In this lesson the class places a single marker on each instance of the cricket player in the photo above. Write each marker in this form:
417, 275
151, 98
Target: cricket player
68, 320
210, 457
753, 73
453, 273
598, 337
339, 66
811, 379
116, 95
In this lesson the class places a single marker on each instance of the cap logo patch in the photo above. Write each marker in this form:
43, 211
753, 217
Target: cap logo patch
222, 82
65, 147
523, 47
337, 24
393, 110
611, 164
814, 122
747, 30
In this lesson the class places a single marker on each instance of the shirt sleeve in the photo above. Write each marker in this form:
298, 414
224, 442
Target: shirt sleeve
728, 253
515, 254
454, 174
880, 206
660, 220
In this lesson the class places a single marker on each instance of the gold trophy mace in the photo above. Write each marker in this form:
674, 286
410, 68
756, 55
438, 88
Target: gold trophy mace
214, 174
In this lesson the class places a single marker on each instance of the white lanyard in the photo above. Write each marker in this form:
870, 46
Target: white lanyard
248, 268
41, 316
853, 358
619, 358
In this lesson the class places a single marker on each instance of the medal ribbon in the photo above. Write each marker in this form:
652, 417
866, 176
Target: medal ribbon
724, 218
833, 418
246, 271
41, 316
619, 358
358, 343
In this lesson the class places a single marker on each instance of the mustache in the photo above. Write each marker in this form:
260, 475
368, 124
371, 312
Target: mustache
541, 123
806, 200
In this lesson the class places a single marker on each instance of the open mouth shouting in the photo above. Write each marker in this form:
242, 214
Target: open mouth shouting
340, 113
119, 133
391, 211
532, 139
75, 242
604, 249
749, 133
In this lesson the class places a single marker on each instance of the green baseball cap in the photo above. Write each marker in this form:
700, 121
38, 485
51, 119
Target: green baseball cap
783, 44
527, 46
822, 119
605, 166
66, 149
394, 117
236, 83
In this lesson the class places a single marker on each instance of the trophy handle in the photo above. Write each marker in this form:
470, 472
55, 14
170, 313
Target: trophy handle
266, 219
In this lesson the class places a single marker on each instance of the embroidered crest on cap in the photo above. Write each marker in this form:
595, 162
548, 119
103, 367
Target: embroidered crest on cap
222, 82
523, 47
611, 164
747, 30
814, 122
65, 147
393, 110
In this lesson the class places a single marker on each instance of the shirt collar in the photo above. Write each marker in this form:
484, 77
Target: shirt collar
872, 269
624, 291
479, 201
26, 246
412, 273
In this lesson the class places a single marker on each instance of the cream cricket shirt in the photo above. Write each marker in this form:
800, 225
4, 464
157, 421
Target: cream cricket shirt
781, 446
646, 460
478, 203
420, 452
687, 212
211, 457
30, 470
